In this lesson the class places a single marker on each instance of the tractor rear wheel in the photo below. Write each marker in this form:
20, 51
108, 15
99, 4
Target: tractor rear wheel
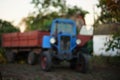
46, 61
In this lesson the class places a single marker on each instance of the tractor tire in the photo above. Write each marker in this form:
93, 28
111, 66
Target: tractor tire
31, 58
82, 63
73, 63
10, 56
1, 76
46, 61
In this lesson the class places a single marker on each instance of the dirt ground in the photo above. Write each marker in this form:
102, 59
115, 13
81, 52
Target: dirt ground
60, 72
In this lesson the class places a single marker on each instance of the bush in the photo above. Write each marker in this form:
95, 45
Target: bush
2, 59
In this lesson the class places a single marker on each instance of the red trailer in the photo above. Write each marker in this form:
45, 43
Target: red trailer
19, 42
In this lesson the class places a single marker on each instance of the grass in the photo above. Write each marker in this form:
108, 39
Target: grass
105, 60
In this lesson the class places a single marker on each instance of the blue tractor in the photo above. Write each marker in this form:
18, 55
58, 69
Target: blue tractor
62, 44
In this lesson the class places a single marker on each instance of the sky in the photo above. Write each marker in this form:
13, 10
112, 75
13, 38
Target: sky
15, 10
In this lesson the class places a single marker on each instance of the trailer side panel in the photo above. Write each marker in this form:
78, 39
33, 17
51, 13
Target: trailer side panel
26, 39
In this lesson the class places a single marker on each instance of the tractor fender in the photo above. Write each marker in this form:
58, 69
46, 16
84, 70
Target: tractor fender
46, 42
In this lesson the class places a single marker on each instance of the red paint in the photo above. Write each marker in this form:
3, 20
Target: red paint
26, 39
84, 39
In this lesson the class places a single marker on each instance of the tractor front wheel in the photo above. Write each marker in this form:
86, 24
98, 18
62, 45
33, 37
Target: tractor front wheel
73, 63
46, 61
82, 63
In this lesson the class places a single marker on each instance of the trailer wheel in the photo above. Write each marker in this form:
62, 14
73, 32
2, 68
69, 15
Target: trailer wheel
46, 61
10, 56
82, 63
31, 58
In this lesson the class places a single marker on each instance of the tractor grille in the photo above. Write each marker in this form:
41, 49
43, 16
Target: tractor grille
65, 43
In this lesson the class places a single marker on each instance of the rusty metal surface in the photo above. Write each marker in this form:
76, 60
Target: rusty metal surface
26, 39
84, 39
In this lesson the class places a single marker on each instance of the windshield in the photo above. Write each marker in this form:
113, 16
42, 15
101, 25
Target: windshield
63, 28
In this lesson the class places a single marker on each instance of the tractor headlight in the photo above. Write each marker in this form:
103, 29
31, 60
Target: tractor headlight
52, 40
78, 41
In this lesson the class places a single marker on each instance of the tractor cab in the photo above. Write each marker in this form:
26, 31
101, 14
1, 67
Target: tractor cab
64, 27
63, 35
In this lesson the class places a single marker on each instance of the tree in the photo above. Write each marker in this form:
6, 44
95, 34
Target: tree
39, 22
43, 16
74, 10
43, 6
110, 13
7, 27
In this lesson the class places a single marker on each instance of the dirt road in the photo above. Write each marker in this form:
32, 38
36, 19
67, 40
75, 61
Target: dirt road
63, 72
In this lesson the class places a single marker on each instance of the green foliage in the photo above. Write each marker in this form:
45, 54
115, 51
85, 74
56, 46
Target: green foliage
90, 47
44, 5
40, 22
7, 27
75, 10
42, 18
110, 13
114, 43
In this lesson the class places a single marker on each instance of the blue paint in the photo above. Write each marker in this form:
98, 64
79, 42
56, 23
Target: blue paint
46, 42
65, 28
